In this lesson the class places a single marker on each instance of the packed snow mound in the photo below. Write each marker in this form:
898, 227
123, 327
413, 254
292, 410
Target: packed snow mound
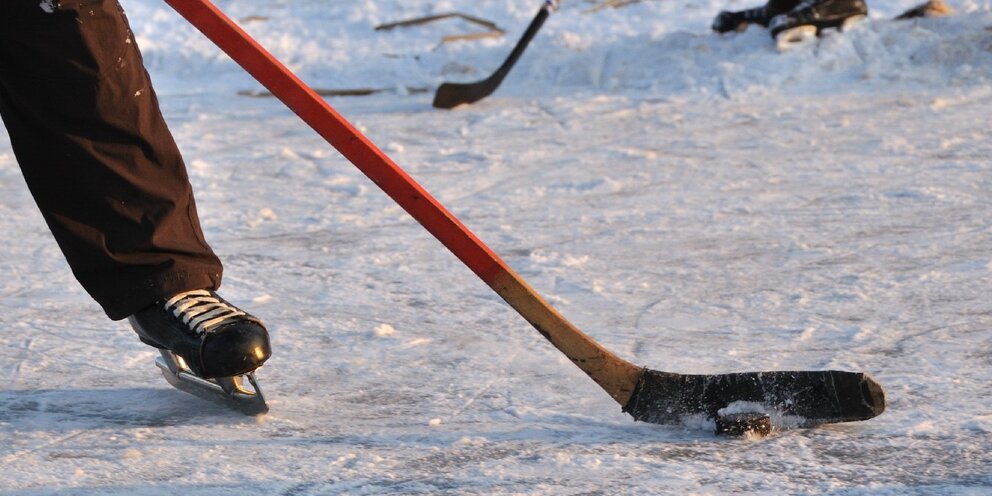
644, 47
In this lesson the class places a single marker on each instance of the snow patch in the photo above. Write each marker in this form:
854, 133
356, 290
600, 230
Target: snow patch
384, 330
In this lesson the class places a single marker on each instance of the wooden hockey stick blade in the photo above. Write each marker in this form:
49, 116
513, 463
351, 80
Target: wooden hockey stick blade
450, 95
618, 377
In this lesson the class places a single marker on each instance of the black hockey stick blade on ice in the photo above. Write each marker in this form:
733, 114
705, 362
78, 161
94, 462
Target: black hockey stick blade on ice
799, 398
450, 95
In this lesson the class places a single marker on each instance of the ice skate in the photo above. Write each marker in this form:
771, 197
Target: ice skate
809, 18
209, 347
739, 21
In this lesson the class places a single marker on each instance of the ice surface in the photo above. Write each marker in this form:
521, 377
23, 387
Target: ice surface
696, 203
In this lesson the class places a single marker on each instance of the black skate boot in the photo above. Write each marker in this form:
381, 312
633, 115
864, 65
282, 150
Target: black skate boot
811, 17
207, 345
214, 337
727, 21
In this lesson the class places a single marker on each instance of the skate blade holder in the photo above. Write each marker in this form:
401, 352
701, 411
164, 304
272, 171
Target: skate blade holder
799, 34
790, 37
852, 21
231, 391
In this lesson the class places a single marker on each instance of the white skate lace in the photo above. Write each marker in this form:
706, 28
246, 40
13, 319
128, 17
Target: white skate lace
202, 311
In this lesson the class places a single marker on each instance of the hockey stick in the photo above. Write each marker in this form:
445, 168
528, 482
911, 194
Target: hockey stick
659, 397
450, 95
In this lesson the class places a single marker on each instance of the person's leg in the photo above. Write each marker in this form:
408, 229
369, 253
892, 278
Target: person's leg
100, 162
87, 131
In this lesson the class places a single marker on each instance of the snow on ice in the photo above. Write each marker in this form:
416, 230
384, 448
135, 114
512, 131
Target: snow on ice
697, 203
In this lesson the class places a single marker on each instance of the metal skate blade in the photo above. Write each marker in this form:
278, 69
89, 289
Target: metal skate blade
791, 37
229, 391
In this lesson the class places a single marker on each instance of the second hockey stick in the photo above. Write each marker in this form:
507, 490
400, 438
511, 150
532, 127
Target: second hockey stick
450, 95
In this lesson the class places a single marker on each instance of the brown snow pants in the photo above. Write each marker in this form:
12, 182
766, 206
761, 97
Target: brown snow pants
87, 132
